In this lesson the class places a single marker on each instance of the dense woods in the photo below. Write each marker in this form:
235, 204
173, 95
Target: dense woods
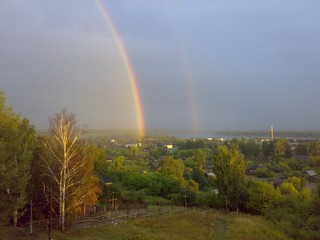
67, 170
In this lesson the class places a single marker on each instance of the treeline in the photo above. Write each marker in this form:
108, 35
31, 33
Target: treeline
281, 134
52, 171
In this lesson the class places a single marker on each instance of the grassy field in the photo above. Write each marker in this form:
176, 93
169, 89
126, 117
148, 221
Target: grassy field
181, 226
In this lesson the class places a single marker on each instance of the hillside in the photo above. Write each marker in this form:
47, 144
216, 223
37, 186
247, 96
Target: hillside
180, 226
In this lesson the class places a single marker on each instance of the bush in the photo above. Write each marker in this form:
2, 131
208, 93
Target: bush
264, 173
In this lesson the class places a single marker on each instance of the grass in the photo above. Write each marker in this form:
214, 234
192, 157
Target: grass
248, 227
209, 225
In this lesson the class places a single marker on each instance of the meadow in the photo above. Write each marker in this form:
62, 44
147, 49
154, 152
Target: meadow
200, 225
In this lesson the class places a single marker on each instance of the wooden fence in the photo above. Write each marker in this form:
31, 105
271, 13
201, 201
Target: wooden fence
110, 217
119, 217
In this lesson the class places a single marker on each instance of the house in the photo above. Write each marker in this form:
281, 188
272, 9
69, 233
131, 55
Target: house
107, 180
169, 146
210, 174
276, 181
312, 175
301, 157
129, 145
253, 169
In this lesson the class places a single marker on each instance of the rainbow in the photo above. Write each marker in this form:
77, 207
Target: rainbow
127, 64
185, 69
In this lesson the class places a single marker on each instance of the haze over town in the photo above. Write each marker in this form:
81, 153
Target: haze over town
198, 64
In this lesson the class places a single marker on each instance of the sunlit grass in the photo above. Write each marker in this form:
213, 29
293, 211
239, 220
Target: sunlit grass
249, 227
200, 225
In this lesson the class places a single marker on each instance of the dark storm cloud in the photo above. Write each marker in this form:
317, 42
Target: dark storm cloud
242, 64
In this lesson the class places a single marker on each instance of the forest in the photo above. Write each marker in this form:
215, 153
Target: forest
67, 171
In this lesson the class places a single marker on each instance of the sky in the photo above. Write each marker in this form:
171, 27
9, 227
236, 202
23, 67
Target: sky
210, 64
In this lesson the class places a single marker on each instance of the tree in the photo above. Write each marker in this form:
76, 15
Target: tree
230, 169
267, 148
249, 148
280, 148
199, 158
118, 163
174, 168
98, 155
17, 142
313, 148
262, 197
198, 176
65, 163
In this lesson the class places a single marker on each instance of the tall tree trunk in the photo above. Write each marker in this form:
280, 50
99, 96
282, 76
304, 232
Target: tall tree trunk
63, 201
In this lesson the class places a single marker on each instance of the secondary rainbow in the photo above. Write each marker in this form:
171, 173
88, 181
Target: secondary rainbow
127, 64
185, 68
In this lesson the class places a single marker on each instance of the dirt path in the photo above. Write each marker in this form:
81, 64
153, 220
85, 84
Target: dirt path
218, 229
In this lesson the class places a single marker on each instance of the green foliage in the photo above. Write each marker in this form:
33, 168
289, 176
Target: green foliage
136, 181
314, 161
262, 197
98, 156
173, 168
199, 158
296, 165
264, 173
162, 185
154, 184
118, 163
298, 182
249, 148
133, 196
193, 144
184, 154
313, 148
287, 188
281, 147
268, 148
193, 185
293, 213
281, 167
17, 143
301, 149
208, 199
157, 152
230, 169
198, 176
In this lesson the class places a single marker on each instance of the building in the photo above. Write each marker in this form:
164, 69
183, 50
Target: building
312, 175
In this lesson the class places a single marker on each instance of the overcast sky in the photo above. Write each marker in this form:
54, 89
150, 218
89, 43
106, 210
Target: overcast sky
209, 64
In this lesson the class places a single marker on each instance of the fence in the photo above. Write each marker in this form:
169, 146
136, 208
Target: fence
118, 217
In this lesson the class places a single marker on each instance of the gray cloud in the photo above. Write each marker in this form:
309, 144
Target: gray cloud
242, 64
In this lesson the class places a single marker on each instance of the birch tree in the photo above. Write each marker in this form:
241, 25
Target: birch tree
65, 163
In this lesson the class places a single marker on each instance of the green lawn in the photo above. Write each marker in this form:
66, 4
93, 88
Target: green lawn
180, 226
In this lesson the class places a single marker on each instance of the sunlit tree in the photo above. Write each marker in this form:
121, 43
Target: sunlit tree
230, 169
65, 163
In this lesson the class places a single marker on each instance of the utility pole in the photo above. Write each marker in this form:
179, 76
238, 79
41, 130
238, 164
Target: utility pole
30, 217
185, 198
